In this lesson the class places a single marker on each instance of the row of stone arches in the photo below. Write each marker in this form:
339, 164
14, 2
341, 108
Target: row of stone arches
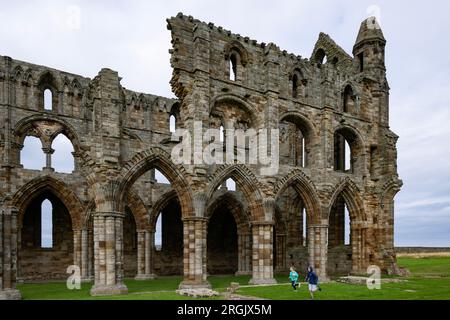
252, 190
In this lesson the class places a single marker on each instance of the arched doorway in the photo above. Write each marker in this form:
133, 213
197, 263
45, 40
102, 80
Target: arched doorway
339, 239
169, 240
228, 243
347, 232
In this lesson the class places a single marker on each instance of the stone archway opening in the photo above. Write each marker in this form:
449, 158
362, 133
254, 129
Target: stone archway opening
222, 242
169, 240
291, 236
339, 239
46, 239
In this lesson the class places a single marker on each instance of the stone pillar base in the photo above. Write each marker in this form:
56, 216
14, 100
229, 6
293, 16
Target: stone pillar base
190, 285
262, 281
141, 277
243, 273
104, 290
10, 294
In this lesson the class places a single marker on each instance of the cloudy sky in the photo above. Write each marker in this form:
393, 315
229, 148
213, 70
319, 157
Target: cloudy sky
131, 37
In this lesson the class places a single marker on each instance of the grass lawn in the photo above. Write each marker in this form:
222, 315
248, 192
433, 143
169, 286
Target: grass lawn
430, 280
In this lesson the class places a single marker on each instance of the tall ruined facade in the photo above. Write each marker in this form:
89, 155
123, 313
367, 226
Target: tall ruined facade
337, 156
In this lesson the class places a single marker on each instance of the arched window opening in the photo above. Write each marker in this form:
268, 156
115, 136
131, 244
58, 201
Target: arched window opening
172, 123
339, 224
294, 142
233, 67
222, 134
158, 233
303, 164
347, 227
361, 61
348, 155
161, 178
304, 228
32, 157
295, 82
348, 99
46, 224
48, 99
62, 158
321, 57
343, 154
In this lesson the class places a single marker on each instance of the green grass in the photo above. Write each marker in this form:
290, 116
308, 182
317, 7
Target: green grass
423, 289
429, 266
430, 280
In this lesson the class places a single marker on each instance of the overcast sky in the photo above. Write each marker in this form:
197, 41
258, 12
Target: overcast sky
131, 37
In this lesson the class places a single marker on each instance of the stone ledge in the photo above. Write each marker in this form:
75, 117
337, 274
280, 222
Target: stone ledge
363, 280
186, 285
262, 281
10, 294
198, 293
104, 290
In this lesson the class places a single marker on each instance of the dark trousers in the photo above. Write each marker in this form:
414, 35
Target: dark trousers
294, 284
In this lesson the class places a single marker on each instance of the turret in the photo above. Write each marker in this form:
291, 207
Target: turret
370, 46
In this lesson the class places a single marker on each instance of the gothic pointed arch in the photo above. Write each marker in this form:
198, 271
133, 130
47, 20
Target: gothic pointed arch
252, 189
157, 158
37, 186
352, 197
304, 186
236, 46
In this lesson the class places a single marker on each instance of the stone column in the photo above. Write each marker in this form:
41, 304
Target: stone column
244, 254
108, 249
77, 248
145, 255
140, 254
76, 159
149, 254
8, 254
318, 249
262, 253
194, 251
48, 158
359, 252
90, 247
84, 255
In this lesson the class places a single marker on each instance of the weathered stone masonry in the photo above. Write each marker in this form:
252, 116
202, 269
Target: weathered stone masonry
105, 211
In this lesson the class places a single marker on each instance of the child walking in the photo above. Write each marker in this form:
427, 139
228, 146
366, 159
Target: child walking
313, 281
293, 276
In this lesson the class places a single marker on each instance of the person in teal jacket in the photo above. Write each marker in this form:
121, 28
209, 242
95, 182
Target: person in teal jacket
293, 276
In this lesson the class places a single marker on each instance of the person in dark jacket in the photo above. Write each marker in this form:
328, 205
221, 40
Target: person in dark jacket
313, 280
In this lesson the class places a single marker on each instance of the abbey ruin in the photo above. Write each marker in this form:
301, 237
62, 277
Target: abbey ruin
337, 155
